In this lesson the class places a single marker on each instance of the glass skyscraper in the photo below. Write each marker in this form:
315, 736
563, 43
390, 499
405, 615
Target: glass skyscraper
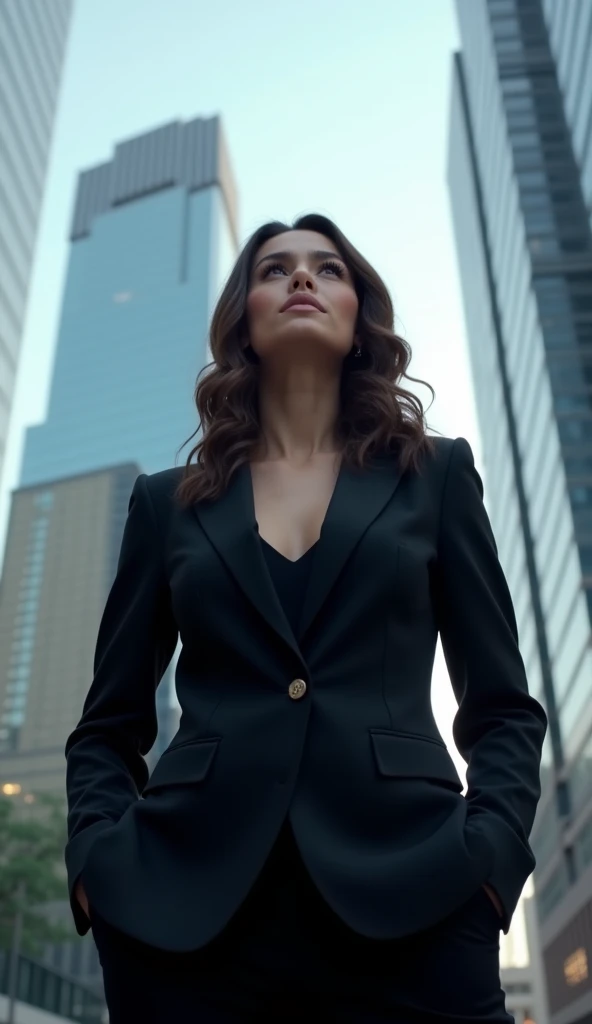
153, 235
33, 37
519, 176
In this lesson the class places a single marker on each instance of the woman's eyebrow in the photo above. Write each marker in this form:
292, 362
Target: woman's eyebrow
315, 254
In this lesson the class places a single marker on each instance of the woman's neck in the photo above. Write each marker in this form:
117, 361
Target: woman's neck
298, 413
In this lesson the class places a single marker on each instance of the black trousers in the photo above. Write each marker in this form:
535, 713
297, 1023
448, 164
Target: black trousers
285, 953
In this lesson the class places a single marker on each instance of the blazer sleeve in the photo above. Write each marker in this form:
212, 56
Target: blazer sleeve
499, 728
136, 640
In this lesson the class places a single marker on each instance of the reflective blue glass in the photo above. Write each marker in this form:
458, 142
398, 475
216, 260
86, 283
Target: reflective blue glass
133, 336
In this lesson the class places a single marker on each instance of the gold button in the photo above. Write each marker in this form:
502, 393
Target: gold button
297, 689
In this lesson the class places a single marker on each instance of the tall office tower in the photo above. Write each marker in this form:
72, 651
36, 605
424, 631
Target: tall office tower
32, 43
153, 235
521, 212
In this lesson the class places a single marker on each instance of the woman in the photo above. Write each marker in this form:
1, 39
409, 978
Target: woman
304, 843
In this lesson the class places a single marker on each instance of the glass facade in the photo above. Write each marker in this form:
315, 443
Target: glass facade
142, 279
570, 36
32, 43
522, 225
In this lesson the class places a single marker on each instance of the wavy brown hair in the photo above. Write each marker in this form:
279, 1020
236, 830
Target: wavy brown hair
378, 416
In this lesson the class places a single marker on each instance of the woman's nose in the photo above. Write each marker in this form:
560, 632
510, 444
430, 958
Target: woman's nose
302, 278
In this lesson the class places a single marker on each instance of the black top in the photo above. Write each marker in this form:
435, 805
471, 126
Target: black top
290, 580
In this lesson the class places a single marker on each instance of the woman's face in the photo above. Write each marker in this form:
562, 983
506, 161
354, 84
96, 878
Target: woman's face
301, 265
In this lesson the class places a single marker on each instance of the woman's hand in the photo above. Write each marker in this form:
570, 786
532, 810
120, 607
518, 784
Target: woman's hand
80, 895
493, 896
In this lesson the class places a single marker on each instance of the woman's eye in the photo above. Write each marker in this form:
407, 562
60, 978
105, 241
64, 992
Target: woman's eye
273, 266
337, 268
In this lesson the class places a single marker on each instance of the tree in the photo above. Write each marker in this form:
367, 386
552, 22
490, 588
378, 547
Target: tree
32, 840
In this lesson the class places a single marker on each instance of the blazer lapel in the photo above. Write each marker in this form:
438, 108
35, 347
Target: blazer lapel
230, 524
359, 497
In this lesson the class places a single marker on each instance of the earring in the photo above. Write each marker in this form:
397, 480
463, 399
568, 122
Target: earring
358, 352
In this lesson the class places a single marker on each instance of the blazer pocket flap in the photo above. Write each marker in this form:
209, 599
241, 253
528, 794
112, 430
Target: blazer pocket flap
406, 756
184, 764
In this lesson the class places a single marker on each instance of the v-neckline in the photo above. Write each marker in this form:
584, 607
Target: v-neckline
280, 554
230, 525
328, 510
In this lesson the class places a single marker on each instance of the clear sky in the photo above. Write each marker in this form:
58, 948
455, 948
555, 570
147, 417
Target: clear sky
338, 108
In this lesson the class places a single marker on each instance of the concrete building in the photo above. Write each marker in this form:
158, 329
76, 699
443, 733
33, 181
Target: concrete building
517, 984
32, 43
521, 211
62, 548
47, 997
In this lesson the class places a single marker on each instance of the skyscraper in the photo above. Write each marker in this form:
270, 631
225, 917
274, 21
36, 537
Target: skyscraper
153, 234
32, 44
519, 177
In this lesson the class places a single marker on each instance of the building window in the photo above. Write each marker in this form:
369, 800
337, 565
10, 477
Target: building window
531, 179
550, 895
520, 120
503, 27
513, 85
578, 467
572, 403
44, 500
522, 139
583, 845
520, 102
580, 495
497, 7
546, 836
537, 201
544, 245
504, 46
539, 220
580, 779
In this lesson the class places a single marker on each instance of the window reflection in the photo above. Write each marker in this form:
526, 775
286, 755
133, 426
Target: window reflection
577, 702
580, 776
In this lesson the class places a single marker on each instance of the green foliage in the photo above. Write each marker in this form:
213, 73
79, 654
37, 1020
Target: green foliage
32, 840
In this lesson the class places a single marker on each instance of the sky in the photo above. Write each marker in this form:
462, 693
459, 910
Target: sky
336, 108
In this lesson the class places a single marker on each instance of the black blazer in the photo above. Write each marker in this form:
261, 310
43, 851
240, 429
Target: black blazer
354, 757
